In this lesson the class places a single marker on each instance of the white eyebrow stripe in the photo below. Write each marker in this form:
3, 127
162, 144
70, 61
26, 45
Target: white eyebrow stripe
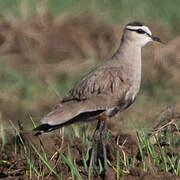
144, 28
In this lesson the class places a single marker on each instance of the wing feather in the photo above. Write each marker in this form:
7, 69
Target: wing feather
105, 80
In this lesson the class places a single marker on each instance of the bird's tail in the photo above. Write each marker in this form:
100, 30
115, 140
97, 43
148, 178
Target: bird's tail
65, 115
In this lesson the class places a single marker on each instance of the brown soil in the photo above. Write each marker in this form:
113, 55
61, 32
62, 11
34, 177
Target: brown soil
14, 165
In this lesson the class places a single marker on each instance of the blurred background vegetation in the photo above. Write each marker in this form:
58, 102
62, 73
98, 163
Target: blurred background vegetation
47, 45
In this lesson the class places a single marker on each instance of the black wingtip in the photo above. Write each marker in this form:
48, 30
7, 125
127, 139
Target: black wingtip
42, 128
38, 133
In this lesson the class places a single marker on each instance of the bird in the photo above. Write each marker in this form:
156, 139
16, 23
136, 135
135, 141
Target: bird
104, 91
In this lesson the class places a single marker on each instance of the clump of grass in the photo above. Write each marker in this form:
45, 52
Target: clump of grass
29, 159
69, 161
164, 161
153, 155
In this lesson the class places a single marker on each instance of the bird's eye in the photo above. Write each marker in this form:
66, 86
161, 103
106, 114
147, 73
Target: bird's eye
140, 31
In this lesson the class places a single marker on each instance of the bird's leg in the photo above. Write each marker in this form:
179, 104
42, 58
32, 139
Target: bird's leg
103, 137
94, 148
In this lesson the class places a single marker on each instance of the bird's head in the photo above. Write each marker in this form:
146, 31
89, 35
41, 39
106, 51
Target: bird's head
139, 34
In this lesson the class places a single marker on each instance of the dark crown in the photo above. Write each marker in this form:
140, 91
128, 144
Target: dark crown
135, 23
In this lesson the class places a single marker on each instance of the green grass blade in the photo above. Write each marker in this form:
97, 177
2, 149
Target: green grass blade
178, 168
172, 165
43, 149
2, 134
44, 160
111, 165
69, 162
31, 164
33, 122
140, 145
117, 165
84, 163
163, 157
25, 150
100, 166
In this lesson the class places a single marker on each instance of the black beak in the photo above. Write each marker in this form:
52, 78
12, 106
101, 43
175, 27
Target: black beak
154, 38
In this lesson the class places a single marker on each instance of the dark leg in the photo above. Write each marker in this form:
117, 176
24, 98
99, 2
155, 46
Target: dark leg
94, 148
103, 137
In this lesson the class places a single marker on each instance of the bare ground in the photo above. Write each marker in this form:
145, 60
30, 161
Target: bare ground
14, 165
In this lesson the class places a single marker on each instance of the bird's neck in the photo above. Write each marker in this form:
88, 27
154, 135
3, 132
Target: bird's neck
128, 58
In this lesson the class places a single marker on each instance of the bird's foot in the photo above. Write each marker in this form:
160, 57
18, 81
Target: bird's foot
95, 149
